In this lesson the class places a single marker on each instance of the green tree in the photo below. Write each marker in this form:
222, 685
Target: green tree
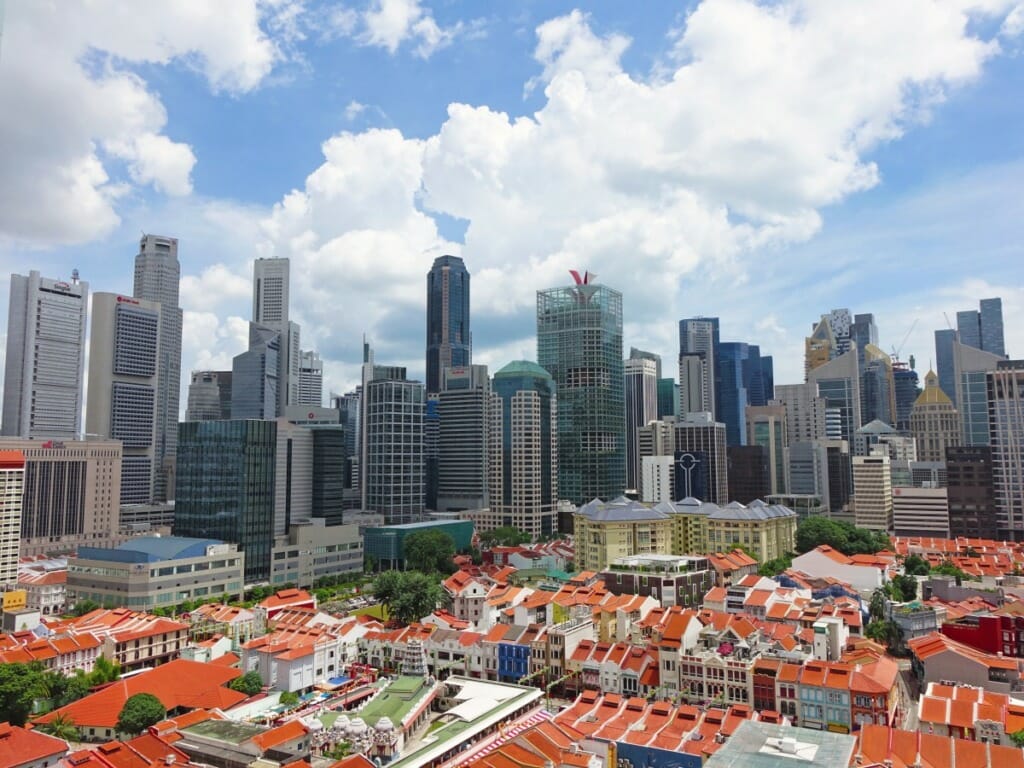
818, 530
1017, 737
104, 671
289, 698
387, 587
876, 608
776, 566
20, 684
419, 596
915, 565
885, 632
139, 712
86, 606
505, 536
946, 568
429, 551
250, 683
62, 727
903, 588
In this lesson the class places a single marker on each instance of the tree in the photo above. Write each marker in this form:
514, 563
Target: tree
387, 587
776, 566
62, 727
915, 565
947, 568
418, 597
104, 671
840, 535
428, 551
505, 536
1017, 737
876, 608
86, 606
19, 685
139, 712
903, 588
250, 683
289, 698
886, 632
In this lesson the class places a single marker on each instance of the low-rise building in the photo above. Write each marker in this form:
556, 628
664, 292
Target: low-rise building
881, 745
45, 589
133, 639
670, 579
156, 572
383, 544
29, 749
826, 561
937, 658
311, 550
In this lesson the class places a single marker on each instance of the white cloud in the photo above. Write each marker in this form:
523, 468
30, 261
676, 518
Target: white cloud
73, 110
388, 24
1013, 24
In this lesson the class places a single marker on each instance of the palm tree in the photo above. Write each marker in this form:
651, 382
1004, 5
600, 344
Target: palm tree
62, 727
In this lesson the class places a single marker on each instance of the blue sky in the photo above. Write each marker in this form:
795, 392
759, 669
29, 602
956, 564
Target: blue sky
762, 162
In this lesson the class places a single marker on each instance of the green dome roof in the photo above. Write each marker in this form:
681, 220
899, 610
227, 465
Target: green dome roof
523, 368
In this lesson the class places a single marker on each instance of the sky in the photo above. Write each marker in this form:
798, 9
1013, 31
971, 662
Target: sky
762, 162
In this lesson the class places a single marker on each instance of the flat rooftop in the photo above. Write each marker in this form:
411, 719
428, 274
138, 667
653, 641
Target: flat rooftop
227, 731
766, 745
398, 699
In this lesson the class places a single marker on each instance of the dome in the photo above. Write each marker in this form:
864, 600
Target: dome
523, 368
357, 726
385, 724
342, 723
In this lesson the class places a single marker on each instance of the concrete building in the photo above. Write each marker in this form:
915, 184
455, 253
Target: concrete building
872, 492
701, 461
12, 488
670, 579
768, 531
523, 451
971, 492
920, 512
151, 572
311, 379
698, 360
982, 328
312, 549
449, 338
805, 411
838, 383
255, 376
657, 479
157, 278
944, 340
209, 396
1006, 435
45, 357
748, 473
970, 370
124, 369
934, 421
766, 427
271, 296
607, 531
464, 438
384, 544
641, 390
579, 342
72, 493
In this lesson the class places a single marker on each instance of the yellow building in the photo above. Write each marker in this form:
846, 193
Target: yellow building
819, 346
605, 531
766, 531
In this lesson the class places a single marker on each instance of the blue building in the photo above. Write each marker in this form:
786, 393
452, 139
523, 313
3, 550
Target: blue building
743, 378
385, 544
944, 364
449, 341
513, 662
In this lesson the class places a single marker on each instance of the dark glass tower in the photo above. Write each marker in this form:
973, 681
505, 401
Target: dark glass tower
579, 342
449, 342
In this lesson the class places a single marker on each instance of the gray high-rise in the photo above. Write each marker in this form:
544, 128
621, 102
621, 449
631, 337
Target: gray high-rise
449, 341
982, 328
271, 293
157, 279
579, 342
641, 390
45, 357
698, 360
463, 438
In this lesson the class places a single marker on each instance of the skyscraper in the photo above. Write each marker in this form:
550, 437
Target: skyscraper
271, 294
970, 371
698, 356
805, 411
863, 331
12, 485
255, 387
971, 492
641, 389
124, 387
944, 365
209, 396
1006, 430
45, 357
934, 422
157, 279
904, 379
766, 427
524, 449
877, 389
464, 422
311, 379
701, 463
742, 377
839, 384
872, 492
449, 341
982, 328
579, 342
819, 347
668, 398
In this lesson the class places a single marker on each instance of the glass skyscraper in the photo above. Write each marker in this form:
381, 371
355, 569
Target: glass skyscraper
226, 472
579, 342
944, 365
449, 342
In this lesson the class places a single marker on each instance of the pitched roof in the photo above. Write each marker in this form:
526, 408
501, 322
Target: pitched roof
19, 746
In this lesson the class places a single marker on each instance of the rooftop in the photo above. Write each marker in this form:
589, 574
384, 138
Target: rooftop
765, 745
150, 549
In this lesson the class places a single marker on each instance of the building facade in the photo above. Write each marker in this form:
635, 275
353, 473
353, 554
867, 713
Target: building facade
124, 375
872, 492
838, 383
934, 421
311, 379
12, 488
157, 279
209, 396
271, 300
45, 357
702, 465
255, 383
920, 512
970, 369
523, 471
1006, 431
641, 390
698, 360
971, 492
766, 427
449, 339
463, 442
579, 342
226, 472
312, 550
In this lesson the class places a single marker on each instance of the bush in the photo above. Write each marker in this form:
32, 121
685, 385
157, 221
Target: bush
139, 712
250, 683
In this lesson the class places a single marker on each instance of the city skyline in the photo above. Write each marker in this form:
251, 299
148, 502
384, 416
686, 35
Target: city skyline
838, 215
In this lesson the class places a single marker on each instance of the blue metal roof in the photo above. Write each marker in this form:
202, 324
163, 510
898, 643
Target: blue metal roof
150, 549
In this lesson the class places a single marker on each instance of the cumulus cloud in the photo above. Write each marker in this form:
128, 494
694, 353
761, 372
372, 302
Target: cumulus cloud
75, 114
389, 24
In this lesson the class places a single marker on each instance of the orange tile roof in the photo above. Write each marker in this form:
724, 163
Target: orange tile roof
290, 731
929, 645
18, 745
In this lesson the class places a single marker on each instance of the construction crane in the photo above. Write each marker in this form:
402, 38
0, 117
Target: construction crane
896, 350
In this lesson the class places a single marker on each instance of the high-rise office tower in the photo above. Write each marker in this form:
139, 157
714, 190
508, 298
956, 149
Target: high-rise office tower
819, 347
982, 328
698, 355
45, 357
227, 472
840, 322
766, 427
748, 473
209, 396
838, 383
743, 377
311, 379
970, 369
392, 463
971, 492
904, 379
524, 449
1006, 430
124, 386
934, 422
640, 354
431, 451
255, 387
12, 486
877, 389
641, 389
872, 492
71, 493
805, 411
863, 331
449, 341
464, 421
701, 463
668, 398
348, 406
944, 365
579, 342
157, 279
271, 294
